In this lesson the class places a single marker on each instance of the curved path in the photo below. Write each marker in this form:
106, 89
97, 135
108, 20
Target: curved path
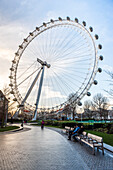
46, 149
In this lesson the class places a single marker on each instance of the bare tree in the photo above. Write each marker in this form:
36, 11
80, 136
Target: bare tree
110, 91
6, 92
100, 103
72, 100
67, 109
87, 108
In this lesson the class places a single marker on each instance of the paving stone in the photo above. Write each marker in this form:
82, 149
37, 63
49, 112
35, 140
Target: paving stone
47, 149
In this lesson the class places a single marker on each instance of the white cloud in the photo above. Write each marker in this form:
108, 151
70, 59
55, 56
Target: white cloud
49, 93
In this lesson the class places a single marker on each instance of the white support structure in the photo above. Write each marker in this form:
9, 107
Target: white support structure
43, 63
28, 93
39, 93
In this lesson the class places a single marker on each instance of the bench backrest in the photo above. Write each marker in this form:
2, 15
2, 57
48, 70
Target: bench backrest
67, 127
94, 137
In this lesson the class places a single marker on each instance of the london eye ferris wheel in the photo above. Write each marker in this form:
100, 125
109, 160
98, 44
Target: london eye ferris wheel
58, 58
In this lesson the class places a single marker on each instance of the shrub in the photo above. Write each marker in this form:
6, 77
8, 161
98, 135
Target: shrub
111, 129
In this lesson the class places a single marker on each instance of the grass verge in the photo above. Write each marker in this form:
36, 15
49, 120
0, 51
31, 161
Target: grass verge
107, 138
8, 128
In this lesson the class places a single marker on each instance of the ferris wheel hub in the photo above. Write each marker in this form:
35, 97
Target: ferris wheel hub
43, 63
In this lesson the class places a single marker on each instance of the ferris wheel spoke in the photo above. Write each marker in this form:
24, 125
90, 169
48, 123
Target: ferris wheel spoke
28, 77
70, 42
26, 70
70, 68
76, 58
70, 78
75, 49
63, 82
56, 97
59, 86
53, 41
63, 48
70, 73
77, 61
62, 42
75, 55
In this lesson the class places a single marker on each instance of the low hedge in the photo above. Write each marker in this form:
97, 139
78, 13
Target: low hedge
62, 124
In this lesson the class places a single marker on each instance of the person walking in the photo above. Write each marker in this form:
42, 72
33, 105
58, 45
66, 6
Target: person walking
42, 124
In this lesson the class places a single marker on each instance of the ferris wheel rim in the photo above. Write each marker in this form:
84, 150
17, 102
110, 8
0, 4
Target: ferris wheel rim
21, 48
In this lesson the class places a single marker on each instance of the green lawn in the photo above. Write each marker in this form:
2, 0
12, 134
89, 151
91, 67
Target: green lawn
107, 138
8, 128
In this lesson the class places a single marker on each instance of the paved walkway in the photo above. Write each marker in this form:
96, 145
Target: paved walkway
46, 149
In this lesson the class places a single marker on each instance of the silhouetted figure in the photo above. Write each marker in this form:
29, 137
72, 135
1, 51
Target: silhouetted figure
42, 124
22, 123
11, 120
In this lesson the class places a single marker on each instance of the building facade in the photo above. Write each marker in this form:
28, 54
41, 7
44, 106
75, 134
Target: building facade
3, 108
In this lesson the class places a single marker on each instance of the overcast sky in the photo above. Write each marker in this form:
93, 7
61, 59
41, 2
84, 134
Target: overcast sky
19, 17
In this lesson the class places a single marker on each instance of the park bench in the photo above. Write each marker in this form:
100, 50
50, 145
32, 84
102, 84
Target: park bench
93, 141
81, 136
66, 130
89, 139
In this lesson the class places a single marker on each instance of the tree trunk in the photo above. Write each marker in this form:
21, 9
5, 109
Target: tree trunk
73, 113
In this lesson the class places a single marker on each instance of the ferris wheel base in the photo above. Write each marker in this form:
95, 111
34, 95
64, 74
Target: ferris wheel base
15, 116
34, 118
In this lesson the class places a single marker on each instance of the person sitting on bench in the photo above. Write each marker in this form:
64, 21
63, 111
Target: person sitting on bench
79, 132
73, 132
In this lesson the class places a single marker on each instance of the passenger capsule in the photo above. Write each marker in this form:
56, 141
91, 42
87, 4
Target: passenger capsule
20, 46
10, 85
100, 46
60, 19
76, 20
79, 103
25, 40
12, 92
95, 82
12, 69
99, 70
52, 20
91, 29
84, 23
96, 37
68, 18
15, 99
14, 61
16, 54
88, 94
11, 77
101, 57
31, 33
44, 24
37, 28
